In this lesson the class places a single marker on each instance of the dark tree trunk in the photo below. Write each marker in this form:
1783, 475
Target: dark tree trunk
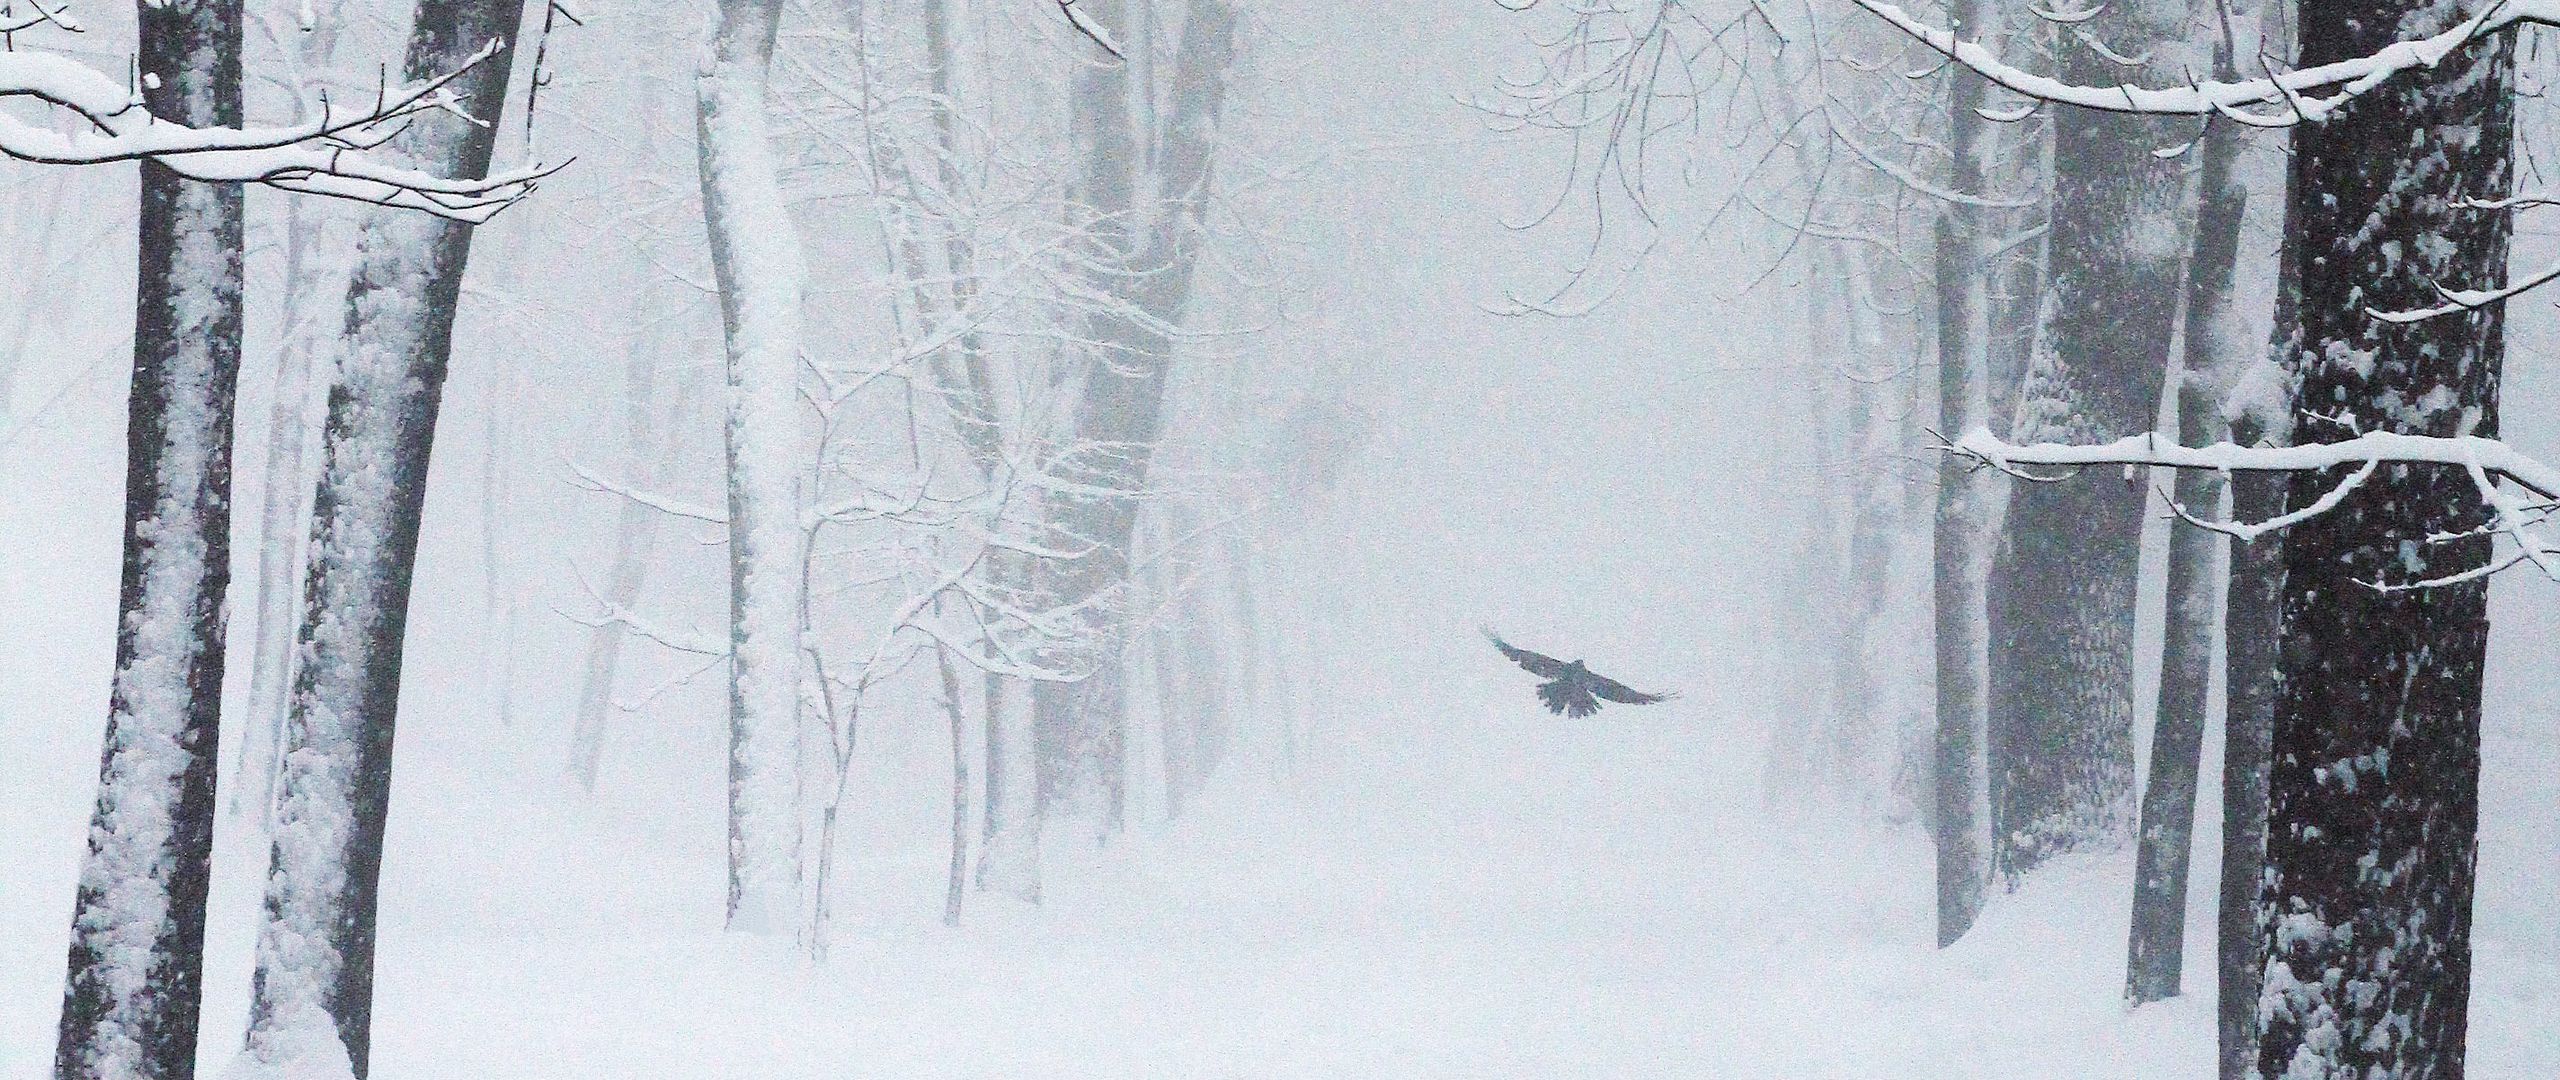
2062, 588
136, 969
2166, 837
2374, 766
2252, 621
1967, 498
315, 947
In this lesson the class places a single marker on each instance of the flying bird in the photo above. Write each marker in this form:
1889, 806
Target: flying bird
1572, 689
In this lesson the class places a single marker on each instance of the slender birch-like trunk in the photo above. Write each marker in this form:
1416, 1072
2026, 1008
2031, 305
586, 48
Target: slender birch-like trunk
1968, 499
2166, 835
319, 261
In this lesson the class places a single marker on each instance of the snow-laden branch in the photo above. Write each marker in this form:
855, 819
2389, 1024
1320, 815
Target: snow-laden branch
2488, 461
2461, 300
2303, 95
329, 155
2497, 458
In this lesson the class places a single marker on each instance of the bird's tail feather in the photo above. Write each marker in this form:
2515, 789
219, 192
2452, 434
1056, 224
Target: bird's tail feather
1566, 698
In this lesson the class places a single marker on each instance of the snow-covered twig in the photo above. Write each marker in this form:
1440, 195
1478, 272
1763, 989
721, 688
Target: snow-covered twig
593, 481
2497, 458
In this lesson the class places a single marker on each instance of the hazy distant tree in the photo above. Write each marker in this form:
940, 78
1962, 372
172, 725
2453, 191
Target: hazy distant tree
137, 933
755, 254
1968, 499
311, 1009
652, 416
319, 249
1147, 243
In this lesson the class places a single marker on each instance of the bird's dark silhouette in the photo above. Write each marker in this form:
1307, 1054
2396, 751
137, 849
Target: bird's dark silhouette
1572, 689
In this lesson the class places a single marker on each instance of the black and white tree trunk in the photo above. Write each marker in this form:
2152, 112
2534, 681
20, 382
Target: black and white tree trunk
2365, 900
2062, 587
136, 972
312, 1003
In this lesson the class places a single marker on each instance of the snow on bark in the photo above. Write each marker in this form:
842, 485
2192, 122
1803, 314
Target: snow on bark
137, 938
755, 254
2374, 769
1968, 504
2062, 586
2258, 406
314, 982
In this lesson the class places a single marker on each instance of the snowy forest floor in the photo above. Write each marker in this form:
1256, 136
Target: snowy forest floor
1492, 896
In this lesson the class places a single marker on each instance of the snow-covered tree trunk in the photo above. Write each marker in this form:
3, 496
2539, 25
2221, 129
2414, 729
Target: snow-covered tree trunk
2166, 836
312, 1003
2062, 586
956, 876
755, 254
2374, 770
1968, 500
136, 968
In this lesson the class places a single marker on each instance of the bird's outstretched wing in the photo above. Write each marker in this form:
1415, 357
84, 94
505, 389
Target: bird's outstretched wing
1542, 666
1609, 689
